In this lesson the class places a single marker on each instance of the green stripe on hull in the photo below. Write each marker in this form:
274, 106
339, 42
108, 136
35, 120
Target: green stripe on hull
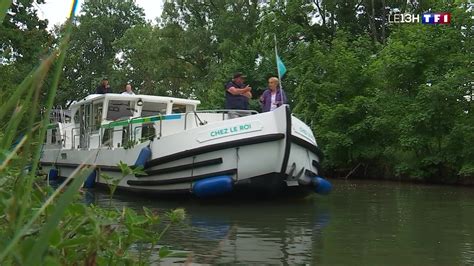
142, 120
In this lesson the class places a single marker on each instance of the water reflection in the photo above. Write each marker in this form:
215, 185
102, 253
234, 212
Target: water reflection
254, 234
272, 232
89, 196
361, 223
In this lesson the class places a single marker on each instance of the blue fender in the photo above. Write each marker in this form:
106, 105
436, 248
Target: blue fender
143, 156
321, 185
53, 174
213, 186
90, 180
53, 177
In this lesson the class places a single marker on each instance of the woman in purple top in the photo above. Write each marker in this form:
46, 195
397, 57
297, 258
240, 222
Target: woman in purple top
273, 97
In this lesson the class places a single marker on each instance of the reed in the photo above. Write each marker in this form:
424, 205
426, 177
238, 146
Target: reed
39, 225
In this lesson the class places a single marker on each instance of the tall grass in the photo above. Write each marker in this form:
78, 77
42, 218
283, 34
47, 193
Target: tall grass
39, 225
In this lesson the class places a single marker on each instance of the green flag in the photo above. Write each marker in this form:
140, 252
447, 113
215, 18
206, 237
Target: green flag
281, 66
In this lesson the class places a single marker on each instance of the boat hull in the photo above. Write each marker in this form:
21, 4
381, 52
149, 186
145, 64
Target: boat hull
266, 154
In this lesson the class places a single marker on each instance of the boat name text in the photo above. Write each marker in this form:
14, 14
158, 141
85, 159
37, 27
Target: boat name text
230, 131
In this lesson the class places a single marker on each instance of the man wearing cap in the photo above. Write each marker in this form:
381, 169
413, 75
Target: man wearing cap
104, 87
237, 94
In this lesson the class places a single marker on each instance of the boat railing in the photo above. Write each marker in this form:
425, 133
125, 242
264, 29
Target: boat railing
110, 131
134, 130
230, 112
153, 119
128, 124
58, 114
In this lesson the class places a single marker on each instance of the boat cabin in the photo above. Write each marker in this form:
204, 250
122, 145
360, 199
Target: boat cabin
119, 120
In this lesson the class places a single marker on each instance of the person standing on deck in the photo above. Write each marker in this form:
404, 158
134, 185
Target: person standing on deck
237, 94
128, 90
104, 87
273, 97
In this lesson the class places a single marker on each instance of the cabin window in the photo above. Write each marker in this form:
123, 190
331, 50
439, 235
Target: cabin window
125, 136
107, 137
87, 116
178, 109
54, 131
97, 115
120, 109
77, 117
151, 109
148, 131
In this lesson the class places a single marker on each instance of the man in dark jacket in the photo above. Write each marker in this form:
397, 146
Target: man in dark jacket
104, 87
237, 94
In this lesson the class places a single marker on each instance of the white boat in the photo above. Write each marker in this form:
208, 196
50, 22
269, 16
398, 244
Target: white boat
184, 151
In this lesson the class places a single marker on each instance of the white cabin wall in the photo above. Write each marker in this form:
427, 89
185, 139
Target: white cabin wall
117, 137
94, 140
172, 126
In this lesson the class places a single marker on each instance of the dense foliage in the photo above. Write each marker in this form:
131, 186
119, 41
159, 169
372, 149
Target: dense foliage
387, 100
23, 40
40, 225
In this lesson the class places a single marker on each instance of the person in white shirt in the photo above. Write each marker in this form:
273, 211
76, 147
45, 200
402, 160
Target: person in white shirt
273, 97
128, 90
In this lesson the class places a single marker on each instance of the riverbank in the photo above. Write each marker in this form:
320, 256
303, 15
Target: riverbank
362, 173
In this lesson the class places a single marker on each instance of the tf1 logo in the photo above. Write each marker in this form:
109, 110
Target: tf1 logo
426, 18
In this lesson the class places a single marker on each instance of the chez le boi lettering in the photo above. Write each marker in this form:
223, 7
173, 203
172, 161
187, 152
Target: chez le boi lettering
229, 130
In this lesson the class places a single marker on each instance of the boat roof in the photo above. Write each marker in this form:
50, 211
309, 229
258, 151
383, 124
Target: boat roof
143, 97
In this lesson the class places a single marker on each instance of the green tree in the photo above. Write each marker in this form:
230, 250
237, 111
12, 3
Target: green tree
387, 97
23, 41
423, 69
193, 51
91, 54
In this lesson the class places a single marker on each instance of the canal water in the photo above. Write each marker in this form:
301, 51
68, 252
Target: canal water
360, 223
